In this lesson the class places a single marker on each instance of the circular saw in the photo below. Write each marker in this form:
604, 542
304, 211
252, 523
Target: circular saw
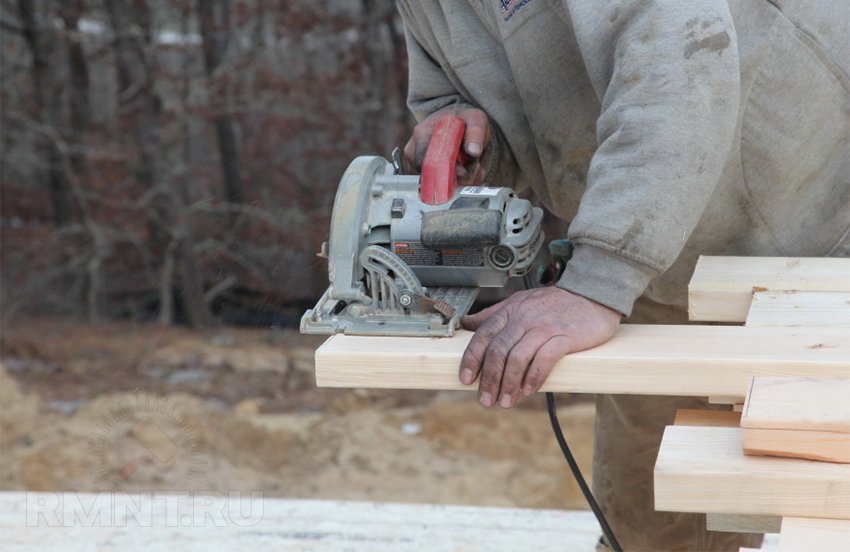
407, 254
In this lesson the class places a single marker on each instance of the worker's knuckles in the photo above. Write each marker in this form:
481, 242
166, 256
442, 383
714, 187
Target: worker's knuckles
497, 353
517, 364
488, 387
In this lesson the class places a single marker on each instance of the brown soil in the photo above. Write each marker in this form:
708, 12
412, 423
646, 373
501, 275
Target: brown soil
144, 407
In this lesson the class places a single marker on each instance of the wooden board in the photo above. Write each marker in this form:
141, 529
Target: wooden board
647, 360
800, 308
743, 523
825, 446
707, 418
798, 418
182, 521
703, 469
814, 535
819, 404
721, 288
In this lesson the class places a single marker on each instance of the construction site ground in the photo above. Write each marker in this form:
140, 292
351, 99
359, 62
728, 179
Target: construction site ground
144, 407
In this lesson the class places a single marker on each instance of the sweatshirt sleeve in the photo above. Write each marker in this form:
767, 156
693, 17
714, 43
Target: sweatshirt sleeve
668, 80
431, 89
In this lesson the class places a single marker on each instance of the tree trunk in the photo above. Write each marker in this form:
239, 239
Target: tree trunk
214, 18
168, 221
45, 105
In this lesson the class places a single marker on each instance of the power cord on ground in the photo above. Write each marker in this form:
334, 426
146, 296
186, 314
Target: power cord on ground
585, 490
571, 461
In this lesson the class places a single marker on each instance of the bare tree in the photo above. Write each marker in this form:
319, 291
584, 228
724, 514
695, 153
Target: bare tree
142, 122
170, 229
46, 103
214, 16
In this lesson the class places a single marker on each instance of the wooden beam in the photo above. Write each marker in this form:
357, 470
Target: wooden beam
826, 446
800, 308
703, 469
802, 403
179, 520
652, 359
735, 401
742, 523
798, 418
707, 418
814, 535
721, 288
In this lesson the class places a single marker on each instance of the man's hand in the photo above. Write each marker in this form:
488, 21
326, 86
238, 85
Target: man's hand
476, 138
518, 341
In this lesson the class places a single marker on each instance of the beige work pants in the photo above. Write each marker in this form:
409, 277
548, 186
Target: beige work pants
627, 435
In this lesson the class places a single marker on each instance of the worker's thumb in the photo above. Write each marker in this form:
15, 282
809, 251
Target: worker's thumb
473, 321
477, 133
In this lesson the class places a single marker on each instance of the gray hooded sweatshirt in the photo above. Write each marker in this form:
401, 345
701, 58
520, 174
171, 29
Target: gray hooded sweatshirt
661, 130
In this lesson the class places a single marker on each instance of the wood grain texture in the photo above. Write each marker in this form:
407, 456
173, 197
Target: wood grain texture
814, 535
651, 359
707, 418
703, 469
825, 446
743, 523
800, 308
184, 522
798, 418
721, 288
803, 403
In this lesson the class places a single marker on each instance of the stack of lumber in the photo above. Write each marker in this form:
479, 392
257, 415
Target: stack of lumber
798, 418
796, 323
783, 463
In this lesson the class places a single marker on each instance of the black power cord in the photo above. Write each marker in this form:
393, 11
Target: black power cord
571, 461
585, 490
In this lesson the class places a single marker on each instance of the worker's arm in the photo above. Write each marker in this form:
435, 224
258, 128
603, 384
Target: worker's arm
667, 77
432, 95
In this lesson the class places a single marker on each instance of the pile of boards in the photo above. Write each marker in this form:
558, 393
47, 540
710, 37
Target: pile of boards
796, 324
779, 462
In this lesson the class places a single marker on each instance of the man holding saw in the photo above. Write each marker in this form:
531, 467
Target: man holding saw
660, 131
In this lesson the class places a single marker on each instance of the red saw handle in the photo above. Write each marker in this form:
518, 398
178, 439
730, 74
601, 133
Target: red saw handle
438, 169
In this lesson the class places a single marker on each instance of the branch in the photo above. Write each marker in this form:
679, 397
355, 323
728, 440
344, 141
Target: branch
6, 26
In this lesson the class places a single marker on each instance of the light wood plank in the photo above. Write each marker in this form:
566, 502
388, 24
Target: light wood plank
652, 359
798, 418
707, 418
804, 403
737, 402
88, 522
742, 523
814, 535
703, 469
721, 288
800, 308
825, 446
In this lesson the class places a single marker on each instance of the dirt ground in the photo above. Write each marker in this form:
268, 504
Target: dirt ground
143, 407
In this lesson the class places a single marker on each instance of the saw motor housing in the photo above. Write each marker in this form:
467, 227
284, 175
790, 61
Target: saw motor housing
401, 266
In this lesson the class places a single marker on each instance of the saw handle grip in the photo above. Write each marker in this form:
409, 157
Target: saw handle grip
439, 179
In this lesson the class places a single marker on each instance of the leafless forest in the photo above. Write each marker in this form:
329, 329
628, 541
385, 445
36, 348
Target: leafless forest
174, 163
177, 160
